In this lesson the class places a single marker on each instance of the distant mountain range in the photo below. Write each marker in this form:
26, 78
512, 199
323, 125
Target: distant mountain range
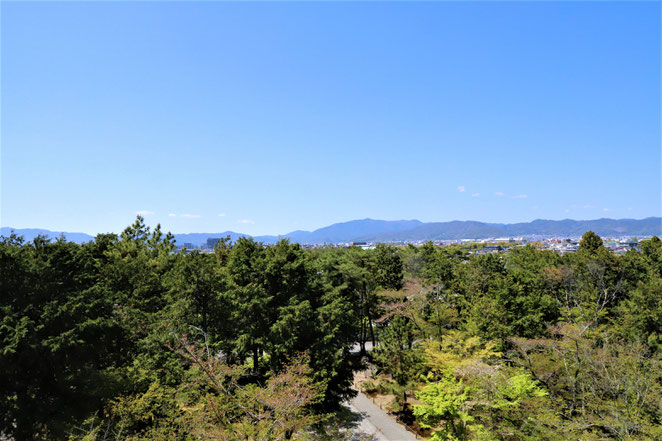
30, 233
370, 230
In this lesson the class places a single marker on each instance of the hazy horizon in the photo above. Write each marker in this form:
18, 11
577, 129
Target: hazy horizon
238, 230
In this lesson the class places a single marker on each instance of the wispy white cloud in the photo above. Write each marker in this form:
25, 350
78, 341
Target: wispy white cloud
566, 210
461, 189
498, 193
221, 214
629, 208
588, 207
185, 215
246, 221
520, 196
606, 209
475, 195
144, 212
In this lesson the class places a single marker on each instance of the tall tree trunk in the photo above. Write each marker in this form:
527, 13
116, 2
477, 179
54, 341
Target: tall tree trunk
204, 319
372, 333
255, 359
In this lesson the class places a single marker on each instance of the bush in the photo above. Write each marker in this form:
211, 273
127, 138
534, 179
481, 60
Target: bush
369, 387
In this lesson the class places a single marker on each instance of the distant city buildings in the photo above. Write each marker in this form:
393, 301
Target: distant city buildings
561, 245
212, 241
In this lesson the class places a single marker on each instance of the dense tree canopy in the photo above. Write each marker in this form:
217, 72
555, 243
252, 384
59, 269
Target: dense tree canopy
125, 338
528, 344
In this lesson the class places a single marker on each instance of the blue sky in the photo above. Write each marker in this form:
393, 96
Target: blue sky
270, 117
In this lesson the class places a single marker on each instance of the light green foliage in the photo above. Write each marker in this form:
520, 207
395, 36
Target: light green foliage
499, 399
444, 409
517, 388
369, 387
457, 352
602, 386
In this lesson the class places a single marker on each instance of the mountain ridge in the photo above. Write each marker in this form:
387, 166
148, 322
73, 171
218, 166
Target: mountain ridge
373, 230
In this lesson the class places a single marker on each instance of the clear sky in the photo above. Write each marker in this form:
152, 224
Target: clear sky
269, 117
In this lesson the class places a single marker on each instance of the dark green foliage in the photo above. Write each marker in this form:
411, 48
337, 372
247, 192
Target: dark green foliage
388, 267
652, 252
517, 345
533, 307
60, 345
440, 262
639, 317
197, 294
348, 279
590, 243
399, 358
86, 325
250, 299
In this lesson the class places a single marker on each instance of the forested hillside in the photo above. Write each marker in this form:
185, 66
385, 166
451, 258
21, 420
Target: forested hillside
121, 338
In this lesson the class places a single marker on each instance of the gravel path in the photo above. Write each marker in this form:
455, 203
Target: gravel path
377, 422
